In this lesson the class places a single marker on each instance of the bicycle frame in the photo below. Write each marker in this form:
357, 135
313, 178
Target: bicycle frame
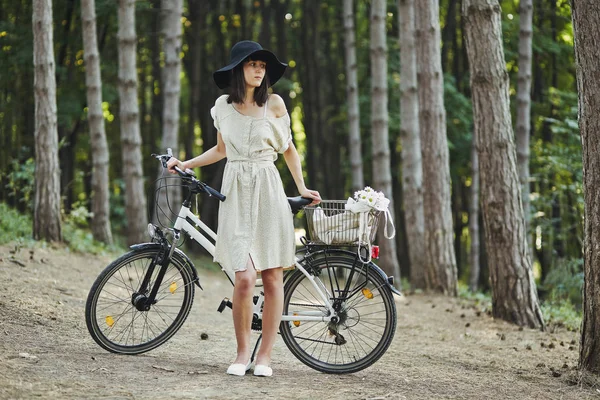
183, 224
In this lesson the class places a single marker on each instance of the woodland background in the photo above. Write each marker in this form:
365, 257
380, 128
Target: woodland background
309, 35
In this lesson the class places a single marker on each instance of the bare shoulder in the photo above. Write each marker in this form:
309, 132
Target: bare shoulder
277, 105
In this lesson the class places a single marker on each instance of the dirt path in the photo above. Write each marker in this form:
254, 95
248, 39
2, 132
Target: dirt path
443, 348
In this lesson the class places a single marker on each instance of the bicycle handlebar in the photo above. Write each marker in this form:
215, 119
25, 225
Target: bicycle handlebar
189, 176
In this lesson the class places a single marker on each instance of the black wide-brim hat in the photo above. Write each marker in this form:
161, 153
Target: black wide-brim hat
249, 49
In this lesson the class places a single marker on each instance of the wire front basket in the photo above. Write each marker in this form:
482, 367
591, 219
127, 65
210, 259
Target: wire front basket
166, 200
329, 223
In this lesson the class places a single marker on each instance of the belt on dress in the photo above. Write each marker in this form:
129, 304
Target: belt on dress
261, 160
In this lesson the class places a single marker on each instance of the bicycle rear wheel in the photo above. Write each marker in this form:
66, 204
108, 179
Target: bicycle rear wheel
117, 325
366, 315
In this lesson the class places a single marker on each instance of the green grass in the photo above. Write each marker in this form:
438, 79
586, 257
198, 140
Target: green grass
560, 313
16, 226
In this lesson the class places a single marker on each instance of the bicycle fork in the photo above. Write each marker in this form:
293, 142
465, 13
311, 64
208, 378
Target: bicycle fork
140, 299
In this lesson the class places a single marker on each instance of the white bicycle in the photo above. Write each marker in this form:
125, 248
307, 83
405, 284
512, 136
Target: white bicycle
339, 313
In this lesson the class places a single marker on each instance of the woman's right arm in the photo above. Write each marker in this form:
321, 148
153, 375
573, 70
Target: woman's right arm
211, 156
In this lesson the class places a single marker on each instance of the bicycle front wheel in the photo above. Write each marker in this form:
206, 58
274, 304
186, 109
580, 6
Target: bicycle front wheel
117, 325
366, 315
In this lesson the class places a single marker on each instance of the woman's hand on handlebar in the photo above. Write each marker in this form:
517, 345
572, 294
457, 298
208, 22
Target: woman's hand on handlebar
172, 163
311, 194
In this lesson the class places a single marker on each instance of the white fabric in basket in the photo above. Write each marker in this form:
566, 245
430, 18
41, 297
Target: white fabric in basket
342, 227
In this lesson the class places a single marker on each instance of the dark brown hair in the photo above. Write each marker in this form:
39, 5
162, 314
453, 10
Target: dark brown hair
237, 90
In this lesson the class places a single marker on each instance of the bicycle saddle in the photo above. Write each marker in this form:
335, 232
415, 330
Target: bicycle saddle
298, 202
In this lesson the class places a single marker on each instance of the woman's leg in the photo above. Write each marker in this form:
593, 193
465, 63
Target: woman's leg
242, 311
273, 287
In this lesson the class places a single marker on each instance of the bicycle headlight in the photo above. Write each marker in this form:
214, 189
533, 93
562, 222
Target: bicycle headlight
151, 231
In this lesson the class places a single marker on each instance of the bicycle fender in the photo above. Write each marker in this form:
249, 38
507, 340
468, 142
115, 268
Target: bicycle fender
376, 268
372, 265
177, 253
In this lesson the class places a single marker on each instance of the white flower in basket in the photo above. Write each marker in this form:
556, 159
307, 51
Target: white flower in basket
364, 203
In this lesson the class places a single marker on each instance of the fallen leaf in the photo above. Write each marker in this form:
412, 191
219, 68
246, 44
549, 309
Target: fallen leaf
28, 356
163, 368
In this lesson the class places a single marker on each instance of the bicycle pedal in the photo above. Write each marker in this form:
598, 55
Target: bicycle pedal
224, 303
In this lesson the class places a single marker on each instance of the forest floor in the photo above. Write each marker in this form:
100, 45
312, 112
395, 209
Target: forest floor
444, 348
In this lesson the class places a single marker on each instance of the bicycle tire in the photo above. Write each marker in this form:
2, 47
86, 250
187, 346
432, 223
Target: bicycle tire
313, 342
105, 307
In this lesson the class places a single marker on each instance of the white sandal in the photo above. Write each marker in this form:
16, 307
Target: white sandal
262, 370
239, 369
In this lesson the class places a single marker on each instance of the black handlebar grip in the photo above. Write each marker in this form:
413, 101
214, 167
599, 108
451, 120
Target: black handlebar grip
215, 193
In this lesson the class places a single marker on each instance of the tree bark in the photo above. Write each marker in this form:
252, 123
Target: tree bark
98, 145
474, 264
382, 177
169, 198
514, 294
441, 261
135, 195
412, 169
354, 142
524, 108
46, 220
586, 28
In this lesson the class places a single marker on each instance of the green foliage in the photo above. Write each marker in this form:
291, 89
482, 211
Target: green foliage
557, 172
564, 283
81, 240
117, 206
77, 234
481, 299
561, 314
556, 311
21, 183
459, 125
17, 226
14, 225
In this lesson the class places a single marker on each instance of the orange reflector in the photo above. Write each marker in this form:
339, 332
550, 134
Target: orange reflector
367, 293
296, 323
173, 287
109, 321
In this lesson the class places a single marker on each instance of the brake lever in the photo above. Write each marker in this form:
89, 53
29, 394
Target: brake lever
162, 157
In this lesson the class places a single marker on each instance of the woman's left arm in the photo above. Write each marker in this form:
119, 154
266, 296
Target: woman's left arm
292, 159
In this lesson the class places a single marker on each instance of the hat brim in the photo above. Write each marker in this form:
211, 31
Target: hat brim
275, 68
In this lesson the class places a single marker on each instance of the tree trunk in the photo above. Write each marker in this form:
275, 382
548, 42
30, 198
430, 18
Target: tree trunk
282, 43
169, 198
382, 177
514, 294
474, 264
135, 195
310, 82
98, 145
412, 169
441, 261
355, 150
586, 28
197, 11
524, 108
265, 36
46, 221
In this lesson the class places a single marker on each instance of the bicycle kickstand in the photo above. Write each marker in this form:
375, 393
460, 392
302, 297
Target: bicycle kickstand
256, 348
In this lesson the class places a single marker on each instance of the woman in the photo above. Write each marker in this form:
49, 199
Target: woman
256, 231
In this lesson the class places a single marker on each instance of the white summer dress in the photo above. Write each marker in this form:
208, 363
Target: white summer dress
255, 220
